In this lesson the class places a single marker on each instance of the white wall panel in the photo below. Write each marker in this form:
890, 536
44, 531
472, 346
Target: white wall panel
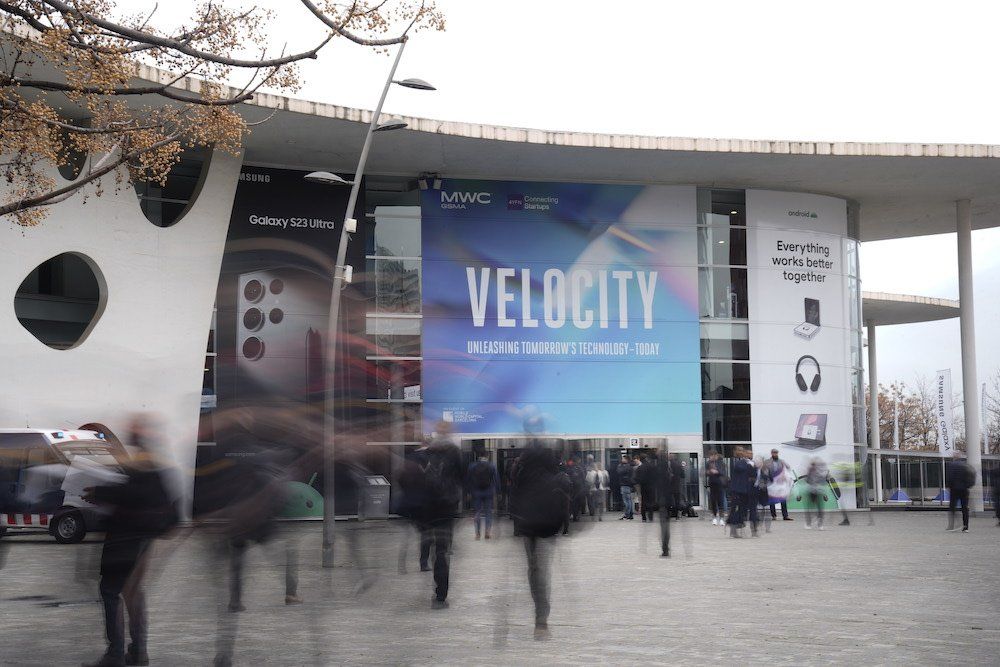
146, 353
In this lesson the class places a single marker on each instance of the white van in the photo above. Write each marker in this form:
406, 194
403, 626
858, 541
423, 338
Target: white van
43, 473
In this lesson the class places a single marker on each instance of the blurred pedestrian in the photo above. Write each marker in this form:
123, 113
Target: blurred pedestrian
410, 503
245, 493
443, 476
816, 480
625, 483
597, 483
995, 483
578, 480
646, 477
678, 500
483, 482
960, 478
718, 481
540, 494
777, 470
759, 499
664, 492
142, 508
741, 486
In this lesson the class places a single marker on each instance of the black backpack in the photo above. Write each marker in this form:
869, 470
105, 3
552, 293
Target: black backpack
437, 485
540, 497
482, 476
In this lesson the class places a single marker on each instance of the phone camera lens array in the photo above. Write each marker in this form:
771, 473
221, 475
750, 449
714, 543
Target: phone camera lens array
253, 318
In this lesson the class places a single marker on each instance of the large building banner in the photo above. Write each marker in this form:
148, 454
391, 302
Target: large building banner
800, 337
272, 313
567, 307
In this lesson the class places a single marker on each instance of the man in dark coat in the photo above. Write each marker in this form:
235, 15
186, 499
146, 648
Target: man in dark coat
646, 477
539, 500
443, 479
141, 509
960, 478
664, 492
741, 486
577, 477
677, 475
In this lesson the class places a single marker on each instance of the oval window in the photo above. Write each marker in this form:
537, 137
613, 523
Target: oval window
61, 300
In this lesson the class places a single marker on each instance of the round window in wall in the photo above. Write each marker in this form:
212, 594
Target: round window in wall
165, 204
61, 300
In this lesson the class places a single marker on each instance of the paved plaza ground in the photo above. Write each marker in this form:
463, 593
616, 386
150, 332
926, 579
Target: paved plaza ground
901, 591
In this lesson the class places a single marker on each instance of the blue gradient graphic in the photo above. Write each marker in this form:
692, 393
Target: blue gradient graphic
640, 376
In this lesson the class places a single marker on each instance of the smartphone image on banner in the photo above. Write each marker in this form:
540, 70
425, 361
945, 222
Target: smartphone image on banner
810, 327
281, 318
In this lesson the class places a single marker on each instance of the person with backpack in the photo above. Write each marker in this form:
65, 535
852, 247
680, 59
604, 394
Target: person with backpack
142, 508
960, 478
625, 483
483, 482
597, 483
539, 500
443, 486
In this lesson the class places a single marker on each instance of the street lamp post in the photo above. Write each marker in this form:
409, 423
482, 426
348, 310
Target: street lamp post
342, 275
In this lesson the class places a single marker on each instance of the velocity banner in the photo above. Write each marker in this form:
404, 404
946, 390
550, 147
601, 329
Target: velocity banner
568, 305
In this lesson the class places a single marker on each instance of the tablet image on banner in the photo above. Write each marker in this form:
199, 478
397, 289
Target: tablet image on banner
568, 305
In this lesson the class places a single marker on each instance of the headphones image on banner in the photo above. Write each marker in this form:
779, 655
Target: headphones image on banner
801, 381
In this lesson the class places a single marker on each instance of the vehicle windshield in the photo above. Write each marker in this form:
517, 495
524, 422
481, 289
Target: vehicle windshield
96, 451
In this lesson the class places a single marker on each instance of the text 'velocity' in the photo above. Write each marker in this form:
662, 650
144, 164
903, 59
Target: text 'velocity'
562, 297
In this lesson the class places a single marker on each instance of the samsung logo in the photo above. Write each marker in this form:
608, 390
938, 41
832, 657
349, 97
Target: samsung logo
255, 178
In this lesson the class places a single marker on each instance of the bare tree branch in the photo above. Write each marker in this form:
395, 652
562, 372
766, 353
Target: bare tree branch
164, 90
156, 41
339, 28
46, 198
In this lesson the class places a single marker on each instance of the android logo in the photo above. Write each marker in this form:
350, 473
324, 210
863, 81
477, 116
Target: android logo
829, 494
302, 500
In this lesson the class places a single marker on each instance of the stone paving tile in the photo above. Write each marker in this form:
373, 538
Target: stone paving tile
900, 592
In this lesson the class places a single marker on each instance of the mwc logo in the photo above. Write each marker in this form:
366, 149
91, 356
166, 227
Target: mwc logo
461, 199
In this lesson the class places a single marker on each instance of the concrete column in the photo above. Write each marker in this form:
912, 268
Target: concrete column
875, 440
970, 384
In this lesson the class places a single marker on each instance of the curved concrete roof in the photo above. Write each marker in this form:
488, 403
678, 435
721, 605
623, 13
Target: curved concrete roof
901, 189
881, 308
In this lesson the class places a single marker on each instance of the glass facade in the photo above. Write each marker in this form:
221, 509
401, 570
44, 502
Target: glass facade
393, 321
724, 307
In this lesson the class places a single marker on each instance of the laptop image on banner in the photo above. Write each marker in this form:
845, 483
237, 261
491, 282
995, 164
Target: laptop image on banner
810, 432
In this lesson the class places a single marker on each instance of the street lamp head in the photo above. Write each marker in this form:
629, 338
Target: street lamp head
416, 84
325, 178
391, 124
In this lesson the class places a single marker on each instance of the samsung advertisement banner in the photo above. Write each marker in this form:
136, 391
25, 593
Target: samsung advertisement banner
800, 336
944, 413
567, 307
270, 338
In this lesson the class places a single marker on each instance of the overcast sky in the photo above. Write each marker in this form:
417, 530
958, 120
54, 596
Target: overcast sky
862, 71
